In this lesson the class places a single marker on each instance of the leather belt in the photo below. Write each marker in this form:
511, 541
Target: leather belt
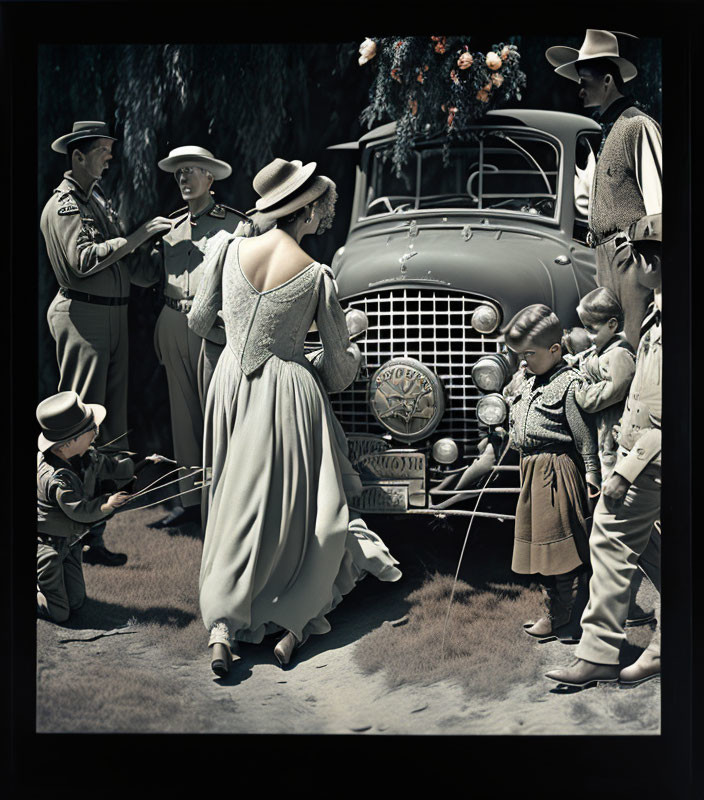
72, 294
183, 305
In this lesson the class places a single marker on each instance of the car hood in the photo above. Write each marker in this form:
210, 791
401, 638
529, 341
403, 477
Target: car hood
510, 267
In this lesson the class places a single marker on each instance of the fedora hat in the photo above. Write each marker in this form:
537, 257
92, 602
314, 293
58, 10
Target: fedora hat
596, 44
285, 186
82, 130
194, 156
64, 416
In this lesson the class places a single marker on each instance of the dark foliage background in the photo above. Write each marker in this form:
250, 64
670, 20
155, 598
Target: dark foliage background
247, 104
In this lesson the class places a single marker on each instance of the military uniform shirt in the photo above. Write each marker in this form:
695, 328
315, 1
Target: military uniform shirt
640, 436
81, 230
67, 504
183, 247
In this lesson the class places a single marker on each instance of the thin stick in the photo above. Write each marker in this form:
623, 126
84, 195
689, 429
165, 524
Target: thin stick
157, 502
160, 478
116, 438
464, 545
163, 485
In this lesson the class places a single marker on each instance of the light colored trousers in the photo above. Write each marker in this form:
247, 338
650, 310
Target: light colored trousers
621, 535
189, 366
60, 585
92, 352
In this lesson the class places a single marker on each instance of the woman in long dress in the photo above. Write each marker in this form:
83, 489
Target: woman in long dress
281, 544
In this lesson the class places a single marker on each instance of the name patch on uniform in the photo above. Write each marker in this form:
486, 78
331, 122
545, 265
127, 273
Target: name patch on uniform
68, 209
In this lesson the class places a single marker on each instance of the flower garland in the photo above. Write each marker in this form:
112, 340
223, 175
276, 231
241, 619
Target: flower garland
431, 84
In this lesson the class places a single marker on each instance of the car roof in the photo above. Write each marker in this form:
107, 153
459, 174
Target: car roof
559, 123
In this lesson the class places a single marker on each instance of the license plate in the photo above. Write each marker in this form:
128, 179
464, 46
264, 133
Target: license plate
391, 466
381, 499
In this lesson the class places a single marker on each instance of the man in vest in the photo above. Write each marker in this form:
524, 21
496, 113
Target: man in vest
189, 359
88, 317
625, 203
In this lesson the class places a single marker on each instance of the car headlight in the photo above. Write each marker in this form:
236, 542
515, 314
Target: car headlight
485, 319
491, 373
491, 410
445, 451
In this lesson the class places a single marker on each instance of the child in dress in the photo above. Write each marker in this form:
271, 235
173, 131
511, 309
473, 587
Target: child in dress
557, 443
606, 369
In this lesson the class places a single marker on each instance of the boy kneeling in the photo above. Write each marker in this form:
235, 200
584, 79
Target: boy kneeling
557, 444
69, 470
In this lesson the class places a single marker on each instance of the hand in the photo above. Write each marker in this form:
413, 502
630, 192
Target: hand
154, 226
615, 488
156, 458
115, 501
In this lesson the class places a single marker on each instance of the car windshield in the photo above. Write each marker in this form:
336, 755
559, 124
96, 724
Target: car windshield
503, 170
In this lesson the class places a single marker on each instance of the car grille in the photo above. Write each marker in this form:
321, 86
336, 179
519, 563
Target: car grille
433, 326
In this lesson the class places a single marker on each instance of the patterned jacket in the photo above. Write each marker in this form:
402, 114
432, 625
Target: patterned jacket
544, 416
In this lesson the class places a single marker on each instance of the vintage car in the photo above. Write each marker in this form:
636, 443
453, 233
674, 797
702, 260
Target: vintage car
437, 260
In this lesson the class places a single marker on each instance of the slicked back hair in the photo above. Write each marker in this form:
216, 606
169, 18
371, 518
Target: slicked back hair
537, 324
600, 305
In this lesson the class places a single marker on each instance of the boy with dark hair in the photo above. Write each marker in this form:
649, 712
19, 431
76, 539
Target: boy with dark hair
68, 473
556, 443
607, 369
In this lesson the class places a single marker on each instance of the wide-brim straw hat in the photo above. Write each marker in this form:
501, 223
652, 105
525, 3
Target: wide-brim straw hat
193, 156
596, 44
64, 416
82, 130
286, 186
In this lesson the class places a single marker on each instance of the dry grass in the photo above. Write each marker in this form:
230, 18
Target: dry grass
485, 648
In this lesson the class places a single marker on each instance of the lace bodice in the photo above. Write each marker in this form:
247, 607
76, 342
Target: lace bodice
275, 322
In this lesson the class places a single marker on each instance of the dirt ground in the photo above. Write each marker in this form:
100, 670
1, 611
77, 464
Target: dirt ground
139, 685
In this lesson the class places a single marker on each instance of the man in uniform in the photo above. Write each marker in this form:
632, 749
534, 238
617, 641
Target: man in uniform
625, 203
88, 317
622, 533
189, 359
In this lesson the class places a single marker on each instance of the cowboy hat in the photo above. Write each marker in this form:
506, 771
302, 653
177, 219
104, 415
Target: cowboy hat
64, 416
596, 44
194, 156
285, 186
82, 130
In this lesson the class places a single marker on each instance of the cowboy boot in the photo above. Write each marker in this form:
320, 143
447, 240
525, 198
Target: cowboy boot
646, 667
583, 673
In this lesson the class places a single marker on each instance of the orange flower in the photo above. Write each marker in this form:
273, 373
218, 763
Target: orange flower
497, 79
399, 43
487, 87
420, 77
465, 61
493, 60
483, 96
440, 48
451, 115
395, 75
454, 77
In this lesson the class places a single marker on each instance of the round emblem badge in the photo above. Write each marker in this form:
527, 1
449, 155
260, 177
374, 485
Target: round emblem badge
407, 398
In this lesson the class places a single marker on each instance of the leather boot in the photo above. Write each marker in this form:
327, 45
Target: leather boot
560, 592
583, 673
646, 667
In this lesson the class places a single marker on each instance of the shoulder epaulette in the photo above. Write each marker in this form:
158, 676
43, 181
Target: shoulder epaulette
218, 209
